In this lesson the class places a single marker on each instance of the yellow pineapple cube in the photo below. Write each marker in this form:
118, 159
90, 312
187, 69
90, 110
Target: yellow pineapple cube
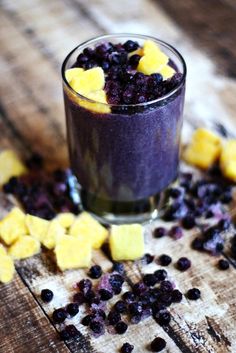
126, 242
24, 247
167, 72
72, 252
7, 267
66, 219
88, 81
150, 48
152, 64
10, 165
12, 226
201, 154
228, 160
54, 231
71, 73
37, 227
99, 97
206, 135
88, 228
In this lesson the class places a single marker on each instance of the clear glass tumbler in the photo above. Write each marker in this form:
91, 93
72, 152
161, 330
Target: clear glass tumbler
124, 156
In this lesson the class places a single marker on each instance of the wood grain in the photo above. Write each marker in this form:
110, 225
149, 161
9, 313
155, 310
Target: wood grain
35, 37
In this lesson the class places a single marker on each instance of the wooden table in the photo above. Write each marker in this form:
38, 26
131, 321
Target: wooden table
35, 37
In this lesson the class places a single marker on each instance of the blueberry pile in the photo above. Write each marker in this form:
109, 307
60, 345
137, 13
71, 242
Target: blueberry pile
124, 85
44, 194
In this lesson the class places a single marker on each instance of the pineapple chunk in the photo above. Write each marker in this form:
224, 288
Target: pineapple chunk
126, 242
87, 228
71, 73
54, 231
10, 166
204, 149
88, 81
228, 160
150, 48
3, 250
167, 72
152, 64
66, 219
13, 226
7, 268
25, 246
99, 97
37, 227
72, 252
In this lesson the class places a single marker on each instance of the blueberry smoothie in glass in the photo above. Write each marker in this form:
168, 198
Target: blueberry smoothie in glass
124, 97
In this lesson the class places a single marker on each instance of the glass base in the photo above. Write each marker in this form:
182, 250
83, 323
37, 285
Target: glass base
116, 212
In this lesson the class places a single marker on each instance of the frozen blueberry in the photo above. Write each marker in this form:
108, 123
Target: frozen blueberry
120, 307
193, 294
163, 318
149, 279
78, 298
148, 258
223, 224
127, 348
183, 264
166, 286
105, 294
177, 296
87, 319
46, 295
159, 232
164, 260
84, 285
135, 308
197, 244
95, 272
69, 331
128, 296
116, 281
158, 344
174, 193
72, 309
113, 317
121, 327
59, 315
118, 267
130, 45
89, 296
157, 77
226, 197
223, 264
139, 288
188, 222
175, 232
134, 60
160, 275
96, 326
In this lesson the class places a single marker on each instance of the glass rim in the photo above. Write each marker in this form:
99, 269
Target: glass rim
86, 43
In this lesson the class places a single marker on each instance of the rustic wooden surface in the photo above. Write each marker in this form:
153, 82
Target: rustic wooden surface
35, 37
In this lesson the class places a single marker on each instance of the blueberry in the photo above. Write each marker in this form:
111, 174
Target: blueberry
69, 331
95, 272
87, 319
96, 326
105, 294
148, 258
46, 295
84, 285
226, 197
158, 344
164, 260
89, 295
127, 348
118, 267
157, 306
157, 77
159, 232
175, 232
130, 46
100, 313
160, 275
139, 288
90, 64
113, 317
78, 298
188, 222
163, 318
121, 327
223, 264
134, 60
224, 224
197, 244
105, 65
177, 296
120, 306
149, 279
116, 281
135, 319
128, 296
135, 308
183, 264
59, 315
82, 59
72, 309
193, 294
166, 286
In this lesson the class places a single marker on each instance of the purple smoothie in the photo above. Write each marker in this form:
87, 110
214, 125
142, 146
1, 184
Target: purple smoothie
124, 158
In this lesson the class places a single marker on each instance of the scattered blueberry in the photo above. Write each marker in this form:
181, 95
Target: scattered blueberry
96, 326
46, 295
120, 306
95, 272
197, 244
174, 193
175, 232
59, 315
163, 318
164, 260
105, 294
127, 348
78, 298
166, 286
177, 296
193, 294
130, 46
183, 264
148, 258
113, 317
223, 264
128, 297
116, 281
85, 285
159, 232
158, 344
160, 275
72, 309
121, 327
149, 279
135, 308
87, 319
69, 331
118, 267
188, 222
